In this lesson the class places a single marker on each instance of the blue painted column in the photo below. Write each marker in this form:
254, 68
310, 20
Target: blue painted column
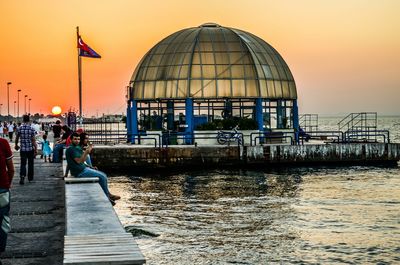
189, 120
170, 115
134, 120
296, 121
259, 114
128, 121
279, 114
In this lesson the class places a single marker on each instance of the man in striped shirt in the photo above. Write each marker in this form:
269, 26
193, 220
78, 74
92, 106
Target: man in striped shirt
28, 148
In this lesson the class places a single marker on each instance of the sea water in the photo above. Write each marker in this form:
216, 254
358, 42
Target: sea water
307, 215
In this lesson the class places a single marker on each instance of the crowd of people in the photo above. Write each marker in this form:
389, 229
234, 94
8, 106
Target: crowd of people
78, 149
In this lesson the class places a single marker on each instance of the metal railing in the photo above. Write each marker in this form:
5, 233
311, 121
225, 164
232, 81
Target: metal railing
270, 138
356, 135
308, 122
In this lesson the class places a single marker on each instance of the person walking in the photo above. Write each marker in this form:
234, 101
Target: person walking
6, 176
28, 148
11, 131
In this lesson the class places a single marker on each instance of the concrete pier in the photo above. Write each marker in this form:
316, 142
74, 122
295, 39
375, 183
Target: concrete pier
147, 158
37, 217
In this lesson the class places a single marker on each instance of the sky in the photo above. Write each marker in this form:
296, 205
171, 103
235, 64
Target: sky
344, 54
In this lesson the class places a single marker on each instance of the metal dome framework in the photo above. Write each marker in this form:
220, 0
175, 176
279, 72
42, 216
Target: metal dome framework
211, 61
203, 72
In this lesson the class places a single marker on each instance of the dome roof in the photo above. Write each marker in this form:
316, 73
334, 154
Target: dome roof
211, 61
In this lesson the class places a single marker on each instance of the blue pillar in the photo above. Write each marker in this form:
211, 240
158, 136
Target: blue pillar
128, 121
259, 114
189, 121
296, 121
134, 120
170, 115
279, 114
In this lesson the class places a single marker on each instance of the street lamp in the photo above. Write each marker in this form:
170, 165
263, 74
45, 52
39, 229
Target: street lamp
25, 104
29, 106
14, 109
19, 90
1, 105
8, 98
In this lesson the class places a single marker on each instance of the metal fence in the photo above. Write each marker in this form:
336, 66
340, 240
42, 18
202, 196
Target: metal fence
106, 132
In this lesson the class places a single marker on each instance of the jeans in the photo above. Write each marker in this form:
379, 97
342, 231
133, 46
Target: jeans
27, 155
92, 173
57, 153
4, 217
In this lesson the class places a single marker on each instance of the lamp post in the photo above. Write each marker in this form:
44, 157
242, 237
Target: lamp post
25, 104
8, 98
1, 105
19, 90
14, 109
29, 106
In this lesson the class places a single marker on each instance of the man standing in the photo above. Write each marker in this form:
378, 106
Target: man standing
6, 176
28, 148
76, 158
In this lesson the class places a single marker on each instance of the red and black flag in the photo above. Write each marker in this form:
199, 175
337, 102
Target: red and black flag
85, 50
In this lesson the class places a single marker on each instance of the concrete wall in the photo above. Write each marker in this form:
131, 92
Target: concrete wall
146, 157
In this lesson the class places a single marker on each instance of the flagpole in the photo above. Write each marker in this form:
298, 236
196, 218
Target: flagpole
79, 79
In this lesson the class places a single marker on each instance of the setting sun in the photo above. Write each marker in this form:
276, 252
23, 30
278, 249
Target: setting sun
56, 110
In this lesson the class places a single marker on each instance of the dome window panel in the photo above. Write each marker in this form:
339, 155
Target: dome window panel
238, 87
208, 71
222, 58
207, 58
223, 71
196, 71
209, 88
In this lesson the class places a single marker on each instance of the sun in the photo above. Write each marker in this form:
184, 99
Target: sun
56, 110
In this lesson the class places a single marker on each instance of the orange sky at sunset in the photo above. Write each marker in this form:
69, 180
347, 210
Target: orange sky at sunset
344, 55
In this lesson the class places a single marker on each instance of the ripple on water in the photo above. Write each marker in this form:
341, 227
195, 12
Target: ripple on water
304, 216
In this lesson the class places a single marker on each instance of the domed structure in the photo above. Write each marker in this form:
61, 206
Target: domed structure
211, 61
212, 75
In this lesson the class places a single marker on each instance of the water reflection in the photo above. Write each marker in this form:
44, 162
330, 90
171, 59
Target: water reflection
321, 215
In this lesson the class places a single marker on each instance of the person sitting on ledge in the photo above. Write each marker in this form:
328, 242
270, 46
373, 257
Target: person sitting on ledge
76, 158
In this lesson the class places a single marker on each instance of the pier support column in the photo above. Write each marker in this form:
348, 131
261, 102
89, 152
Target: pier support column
279, 114
296, 121
128, 121
170, 115
259, 114
189, 121
133, 120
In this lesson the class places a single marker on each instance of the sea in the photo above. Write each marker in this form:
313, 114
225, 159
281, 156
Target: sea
303, 215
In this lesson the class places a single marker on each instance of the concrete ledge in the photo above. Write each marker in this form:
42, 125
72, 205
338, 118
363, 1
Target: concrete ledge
149, 158
73, 180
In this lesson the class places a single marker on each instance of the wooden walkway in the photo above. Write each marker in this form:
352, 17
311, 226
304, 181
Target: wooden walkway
57, 223
94, 234
37, 217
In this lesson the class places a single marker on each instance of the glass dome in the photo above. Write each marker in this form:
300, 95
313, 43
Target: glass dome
211, 61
